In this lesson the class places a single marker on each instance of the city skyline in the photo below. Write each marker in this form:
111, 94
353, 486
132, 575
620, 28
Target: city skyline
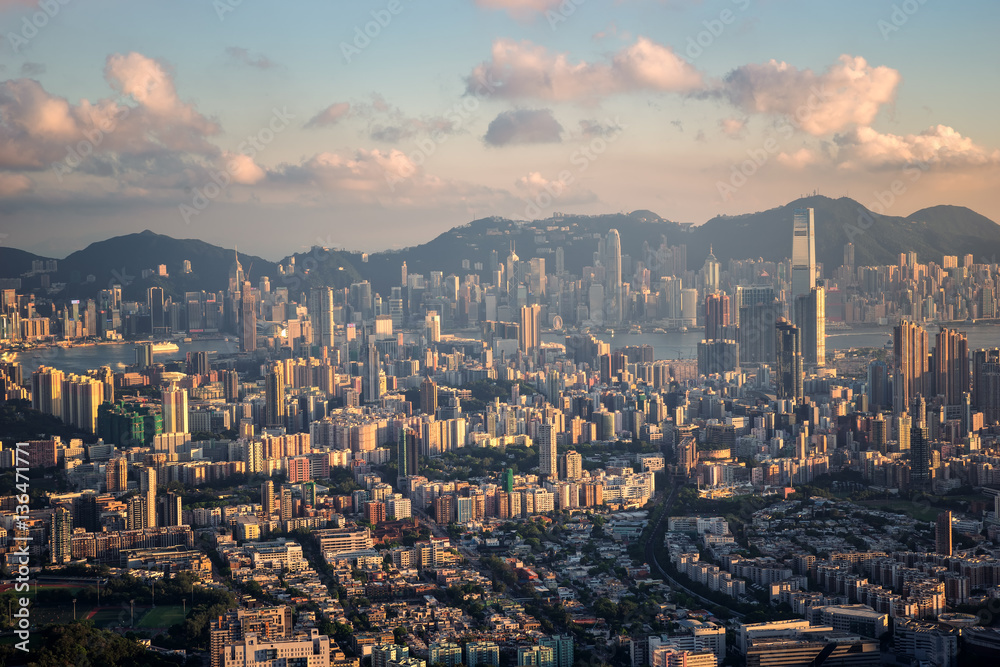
686, 109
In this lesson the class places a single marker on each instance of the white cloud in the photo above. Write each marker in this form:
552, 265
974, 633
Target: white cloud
525, 70
799, 159
521, 10
850, 92
939, 145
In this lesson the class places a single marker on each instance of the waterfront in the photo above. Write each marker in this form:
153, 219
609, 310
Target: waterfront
116, 355
678, 345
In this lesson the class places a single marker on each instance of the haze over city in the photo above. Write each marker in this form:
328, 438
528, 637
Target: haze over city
499, 333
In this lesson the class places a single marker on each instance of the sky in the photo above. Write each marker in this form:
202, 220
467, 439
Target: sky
372, 125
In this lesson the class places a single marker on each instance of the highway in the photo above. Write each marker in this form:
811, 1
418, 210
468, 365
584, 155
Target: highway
656, 540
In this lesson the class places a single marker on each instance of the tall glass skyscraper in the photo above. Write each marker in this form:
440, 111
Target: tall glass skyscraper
803, 252
613, 278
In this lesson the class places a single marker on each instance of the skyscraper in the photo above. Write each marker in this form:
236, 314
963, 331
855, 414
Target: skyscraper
170, 509
60, 535
547, 451
613, 278
529, 333
789, 368
154, 303
267, 498
274, 394
803, 251
810, 318
248, 319
147, 486
950, 361
175, 410
758, 310
710, 273
920, 457
942, 534
986, 384
321, 314
428, 396
716, 316
407, 454
910, 374
878, 386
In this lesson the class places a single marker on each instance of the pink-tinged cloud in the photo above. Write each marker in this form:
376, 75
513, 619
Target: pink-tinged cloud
733, 127
243, 169
938, 147
522, 10
330, 115
525, 70
850, 92
14, 184
799, 159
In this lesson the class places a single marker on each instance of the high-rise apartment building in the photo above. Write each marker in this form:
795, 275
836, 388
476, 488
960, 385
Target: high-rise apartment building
950, 362
175, 410
321, 315
986, 384
547, 451
810, 318
274, 396
911, 375
942, 533
529, 334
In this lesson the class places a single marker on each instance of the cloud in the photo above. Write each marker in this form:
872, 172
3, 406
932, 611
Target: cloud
32, 69
522, 10
525, 70
733, 127
799, 159
243, 169
594, 128
939, 145
13, 184
850, 92
523, 126
330, 115
242, 56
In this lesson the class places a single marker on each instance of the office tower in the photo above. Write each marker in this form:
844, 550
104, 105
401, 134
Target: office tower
878, 386
428, 396
911, 369
950, 361
536, 278
154, 303
942, 534
274, 396
789, 367
197, 363
236, 275
248, 319
147, 487
170, 510
60, 535
613, 278
986, 384
849, 255
175, 410
803, 252
529, 332
718, 356
432, 327
880, 433
547, 451
375, 379
710, 273
920, 457
137, 513
757, 310
810, 318
267, 501
716, 316
407, 454
144, 355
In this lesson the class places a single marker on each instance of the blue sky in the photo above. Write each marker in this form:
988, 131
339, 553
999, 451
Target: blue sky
121, 116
